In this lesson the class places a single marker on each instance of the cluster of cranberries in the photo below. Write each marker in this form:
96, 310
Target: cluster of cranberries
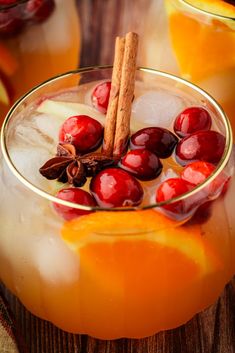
14, 15
196, 147
199, 150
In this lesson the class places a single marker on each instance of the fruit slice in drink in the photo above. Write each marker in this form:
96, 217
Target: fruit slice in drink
203, 46
126, 258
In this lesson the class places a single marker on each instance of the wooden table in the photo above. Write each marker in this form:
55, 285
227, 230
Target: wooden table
213, 331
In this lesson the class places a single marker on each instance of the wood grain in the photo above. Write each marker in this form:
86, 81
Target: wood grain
103, 20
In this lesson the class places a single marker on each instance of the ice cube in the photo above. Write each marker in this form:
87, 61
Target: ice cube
54, 260
38, 131
157, 108
48, 126
28, 161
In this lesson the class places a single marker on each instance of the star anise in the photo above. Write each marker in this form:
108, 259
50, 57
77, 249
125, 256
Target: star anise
68, 166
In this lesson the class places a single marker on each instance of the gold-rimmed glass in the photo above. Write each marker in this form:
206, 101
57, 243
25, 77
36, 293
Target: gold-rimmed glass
85, 277
203, 44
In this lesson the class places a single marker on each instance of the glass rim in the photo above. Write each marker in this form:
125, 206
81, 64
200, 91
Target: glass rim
29, 185
205, 12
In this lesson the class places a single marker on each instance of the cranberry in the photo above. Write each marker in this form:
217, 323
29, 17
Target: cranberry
115, 187
142, 163
39, 10
207, 146
172, 188
74, 195
10, 22
197, 172
83, 132
191, 120
100, 96
155, 139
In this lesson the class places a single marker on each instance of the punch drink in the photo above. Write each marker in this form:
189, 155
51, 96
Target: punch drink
196, 40
105, 251
38, 40
206, 27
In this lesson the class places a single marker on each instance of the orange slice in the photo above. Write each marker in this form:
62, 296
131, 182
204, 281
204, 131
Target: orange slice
8, 63
109, 228
139, 272
201, 48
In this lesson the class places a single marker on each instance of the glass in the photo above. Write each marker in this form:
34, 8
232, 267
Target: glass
38, 40
196, 44
127, 272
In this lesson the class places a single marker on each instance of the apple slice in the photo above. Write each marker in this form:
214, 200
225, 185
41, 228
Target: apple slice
4, 96
67, 109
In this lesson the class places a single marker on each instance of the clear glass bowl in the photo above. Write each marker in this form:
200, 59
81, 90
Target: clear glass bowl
118, 272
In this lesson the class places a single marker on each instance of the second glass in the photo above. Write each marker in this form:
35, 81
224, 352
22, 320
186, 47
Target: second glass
38, 40
195, 40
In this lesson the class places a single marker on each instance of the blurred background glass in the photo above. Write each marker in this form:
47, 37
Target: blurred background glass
196, 40
38, 39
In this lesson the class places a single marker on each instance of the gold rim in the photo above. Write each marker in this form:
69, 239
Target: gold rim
204, 12
42, 193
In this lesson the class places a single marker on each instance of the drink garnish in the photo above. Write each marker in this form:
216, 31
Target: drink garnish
68, 166
117, 124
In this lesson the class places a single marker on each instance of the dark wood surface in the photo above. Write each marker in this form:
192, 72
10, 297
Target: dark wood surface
102, 20
212, 331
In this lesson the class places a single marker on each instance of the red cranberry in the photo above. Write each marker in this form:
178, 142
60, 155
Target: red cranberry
170, 189
100, 96
10, 22
115, 187
206, 146
142, 163
83, 132
197, 172
39, 10
74, 195
155, 139
191, 120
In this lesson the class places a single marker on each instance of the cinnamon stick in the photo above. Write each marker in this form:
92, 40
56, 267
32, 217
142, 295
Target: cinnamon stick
110, 121
122, 128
